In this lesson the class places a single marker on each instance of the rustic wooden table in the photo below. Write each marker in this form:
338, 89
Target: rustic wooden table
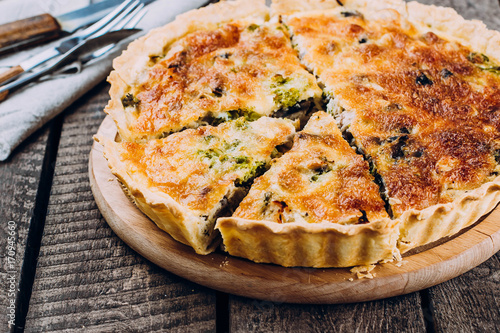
68, 271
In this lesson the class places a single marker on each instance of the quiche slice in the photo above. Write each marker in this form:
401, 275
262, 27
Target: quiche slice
317, 206
187, 180
210, 65
417, 89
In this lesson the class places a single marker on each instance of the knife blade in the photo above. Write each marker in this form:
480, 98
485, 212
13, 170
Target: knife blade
85, 47
37, 29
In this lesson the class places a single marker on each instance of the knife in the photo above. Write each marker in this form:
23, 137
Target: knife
115, 20
85, 47
37, 29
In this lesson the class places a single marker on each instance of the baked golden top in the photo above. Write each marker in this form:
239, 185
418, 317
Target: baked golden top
423, 109
197, 167
321, 179
210, 76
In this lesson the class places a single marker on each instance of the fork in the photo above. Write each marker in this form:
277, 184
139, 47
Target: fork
128, 23
102, 41
106, 24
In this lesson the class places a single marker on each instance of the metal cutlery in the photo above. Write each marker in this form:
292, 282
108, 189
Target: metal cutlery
37, 29
112, 21
20, 34
90, 44
83, 48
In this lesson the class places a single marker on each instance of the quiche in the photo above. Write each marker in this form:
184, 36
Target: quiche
401, 143
185, 181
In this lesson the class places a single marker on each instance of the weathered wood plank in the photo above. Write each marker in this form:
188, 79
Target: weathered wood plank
73, 288
87, 278
19, 177
470, 302
397, 314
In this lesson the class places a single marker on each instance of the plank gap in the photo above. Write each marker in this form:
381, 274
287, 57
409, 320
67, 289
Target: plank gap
428, 311
221, 312
37, 224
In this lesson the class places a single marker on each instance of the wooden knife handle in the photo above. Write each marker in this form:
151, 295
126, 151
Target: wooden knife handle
3, 95
29, 31
11, 72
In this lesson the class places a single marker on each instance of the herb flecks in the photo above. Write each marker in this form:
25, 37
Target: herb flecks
130, 100
483, 62
284, 96
351, 13
477, 58
221, 117
321, 170
446, 73
279, 80
363, 219
253, 27
423, 80
255, 169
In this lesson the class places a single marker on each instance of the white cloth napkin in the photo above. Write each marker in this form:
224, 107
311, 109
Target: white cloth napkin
30, 107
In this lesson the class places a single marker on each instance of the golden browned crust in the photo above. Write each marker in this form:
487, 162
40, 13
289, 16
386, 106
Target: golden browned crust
444, 21
183, 182
437, 151
284, 7
320, 180
169, 215
131, 67
132, 64
447, 23
287, 7
420, 227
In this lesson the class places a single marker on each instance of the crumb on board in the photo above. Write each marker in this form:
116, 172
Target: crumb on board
110, 179
363, 272
224, 262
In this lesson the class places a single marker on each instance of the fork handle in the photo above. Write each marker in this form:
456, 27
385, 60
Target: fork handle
10, 73
30, 31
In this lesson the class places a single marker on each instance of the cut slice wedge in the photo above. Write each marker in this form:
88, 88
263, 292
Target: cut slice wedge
187, 180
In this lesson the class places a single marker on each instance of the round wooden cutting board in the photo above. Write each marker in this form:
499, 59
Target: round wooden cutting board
275, 283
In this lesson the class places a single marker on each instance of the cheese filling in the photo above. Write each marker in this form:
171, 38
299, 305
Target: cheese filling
422, 110
217, 75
